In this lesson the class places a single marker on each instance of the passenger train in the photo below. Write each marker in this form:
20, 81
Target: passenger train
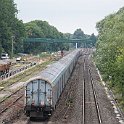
43, 90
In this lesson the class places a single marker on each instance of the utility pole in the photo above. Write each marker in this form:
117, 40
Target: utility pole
12, 47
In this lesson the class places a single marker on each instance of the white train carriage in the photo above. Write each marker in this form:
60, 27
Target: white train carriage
43, 91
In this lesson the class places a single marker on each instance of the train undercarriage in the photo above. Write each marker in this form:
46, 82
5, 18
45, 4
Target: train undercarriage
38, 111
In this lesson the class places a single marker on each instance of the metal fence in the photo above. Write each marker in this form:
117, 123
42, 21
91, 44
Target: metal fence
13, 72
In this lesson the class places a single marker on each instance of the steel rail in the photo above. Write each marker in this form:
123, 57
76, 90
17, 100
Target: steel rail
83, 95
94, 94
11, 95
7, 107
95, 99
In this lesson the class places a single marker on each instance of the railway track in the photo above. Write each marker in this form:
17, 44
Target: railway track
11, 95
7, 104
8, 83
95, 99
89, 98
83, 96
11, 104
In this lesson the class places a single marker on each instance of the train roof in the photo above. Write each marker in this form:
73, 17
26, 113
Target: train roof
51, 73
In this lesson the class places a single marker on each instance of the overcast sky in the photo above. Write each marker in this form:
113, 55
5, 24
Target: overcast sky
68, 15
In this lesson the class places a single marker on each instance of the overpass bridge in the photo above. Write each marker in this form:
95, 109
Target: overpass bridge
50, 40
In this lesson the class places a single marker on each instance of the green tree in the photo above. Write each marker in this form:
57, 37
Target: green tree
42, 29
93, 39
110, 49
87, 40
78, 34
9, 26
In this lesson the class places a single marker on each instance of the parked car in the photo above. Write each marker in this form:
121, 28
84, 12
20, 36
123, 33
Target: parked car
4, 56
18, 59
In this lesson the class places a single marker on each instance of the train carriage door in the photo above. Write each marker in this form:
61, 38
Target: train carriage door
48, 94
28, 95
32, 93
45, 93
42, 93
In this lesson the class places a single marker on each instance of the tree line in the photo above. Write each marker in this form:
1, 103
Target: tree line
110, 51
13, 31
10, 27
42, 29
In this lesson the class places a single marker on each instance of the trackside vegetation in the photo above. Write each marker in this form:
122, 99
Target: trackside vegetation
109, 54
